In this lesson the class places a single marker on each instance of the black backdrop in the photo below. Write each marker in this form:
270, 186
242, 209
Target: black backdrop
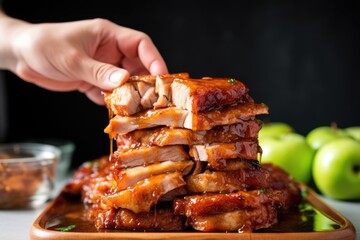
300, 58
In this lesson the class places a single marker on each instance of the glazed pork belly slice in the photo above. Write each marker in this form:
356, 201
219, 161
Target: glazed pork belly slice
171, 117
215, 153
174, 194
246, 210
164, 136
203, 95
233, 164
130, 98
178, 118
244, 220
227, 181
194, 95
91, 169
146, 193
124, 100
290, 196
103, 183
130, 176
209, 204
158, 220
141, 92
94, 189
158, 94
144, 156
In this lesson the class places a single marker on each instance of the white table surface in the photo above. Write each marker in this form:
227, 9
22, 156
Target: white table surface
15, 224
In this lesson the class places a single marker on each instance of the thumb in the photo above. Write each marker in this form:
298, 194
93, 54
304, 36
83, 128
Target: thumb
103, 75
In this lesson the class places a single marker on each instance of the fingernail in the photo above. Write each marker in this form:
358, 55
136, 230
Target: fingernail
116, 77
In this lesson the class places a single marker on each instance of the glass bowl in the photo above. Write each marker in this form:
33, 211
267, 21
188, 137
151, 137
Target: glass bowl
67, 148
27, 174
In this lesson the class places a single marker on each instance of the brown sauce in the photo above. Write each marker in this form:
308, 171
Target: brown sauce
306, 219
15, 155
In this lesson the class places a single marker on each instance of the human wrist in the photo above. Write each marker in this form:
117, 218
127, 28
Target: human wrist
9, 29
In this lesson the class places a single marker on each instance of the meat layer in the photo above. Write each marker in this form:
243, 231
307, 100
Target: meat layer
146, 193
129, 176
240, 221
227, 181
203, 95
195, 95
141, 92
178, 118
210, 204
144, 156
215, 152
159, 220
164, 136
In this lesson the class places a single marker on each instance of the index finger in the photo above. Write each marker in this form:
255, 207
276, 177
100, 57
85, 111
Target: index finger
135, 44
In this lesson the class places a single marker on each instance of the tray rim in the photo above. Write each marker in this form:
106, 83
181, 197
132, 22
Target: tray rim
346, 231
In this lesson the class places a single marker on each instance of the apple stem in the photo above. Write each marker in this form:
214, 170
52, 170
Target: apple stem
334, 126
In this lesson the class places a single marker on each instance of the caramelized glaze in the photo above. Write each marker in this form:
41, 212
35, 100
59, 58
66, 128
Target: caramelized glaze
203, 95
71, 211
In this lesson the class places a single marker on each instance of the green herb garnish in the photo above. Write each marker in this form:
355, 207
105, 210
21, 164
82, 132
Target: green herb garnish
231, 80
261, 191
304, 192
89, 163
66, 229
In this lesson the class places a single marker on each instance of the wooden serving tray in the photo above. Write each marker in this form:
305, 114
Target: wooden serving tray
315, 220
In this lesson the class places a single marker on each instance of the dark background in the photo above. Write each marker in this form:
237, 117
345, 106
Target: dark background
301, 58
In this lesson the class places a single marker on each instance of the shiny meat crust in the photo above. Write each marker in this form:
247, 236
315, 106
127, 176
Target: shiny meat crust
210, 204
173, 136
235, 164
227, 181
129, 176
290, 196
203, 95
242, 210
195, 95
146, 193
215, 152
151, 79
87, 171
175, 117
241, 220
148, 155
159, 220
141, 92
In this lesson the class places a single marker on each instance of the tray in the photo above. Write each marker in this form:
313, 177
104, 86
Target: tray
316, 220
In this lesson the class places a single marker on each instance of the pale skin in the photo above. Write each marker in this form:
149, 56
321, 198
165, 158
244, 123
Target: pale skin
88, 55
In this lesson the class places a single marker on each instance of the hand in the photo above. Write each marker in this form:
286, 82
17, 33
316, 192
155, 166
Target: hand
88, 55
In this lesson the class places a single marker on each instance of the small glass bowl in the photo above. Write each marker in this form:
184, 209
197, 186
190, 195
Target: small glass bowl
27, 174
67, 148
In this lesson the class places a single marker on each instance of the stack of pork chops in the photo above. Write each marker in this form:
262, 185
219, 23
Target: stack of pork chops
186, 158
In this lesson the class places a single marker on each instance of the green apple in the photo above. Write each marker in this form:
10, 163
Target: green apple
354, 132
291, 152
324, 134
336, 169
274, 129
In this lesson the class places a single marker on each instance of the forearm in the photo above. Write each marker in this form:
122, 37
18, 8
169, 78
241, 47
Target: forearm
9, 28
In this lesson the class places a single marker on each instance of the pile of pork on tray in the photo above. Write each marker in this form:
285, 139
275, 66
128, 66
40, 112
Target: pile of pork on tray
187, 158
